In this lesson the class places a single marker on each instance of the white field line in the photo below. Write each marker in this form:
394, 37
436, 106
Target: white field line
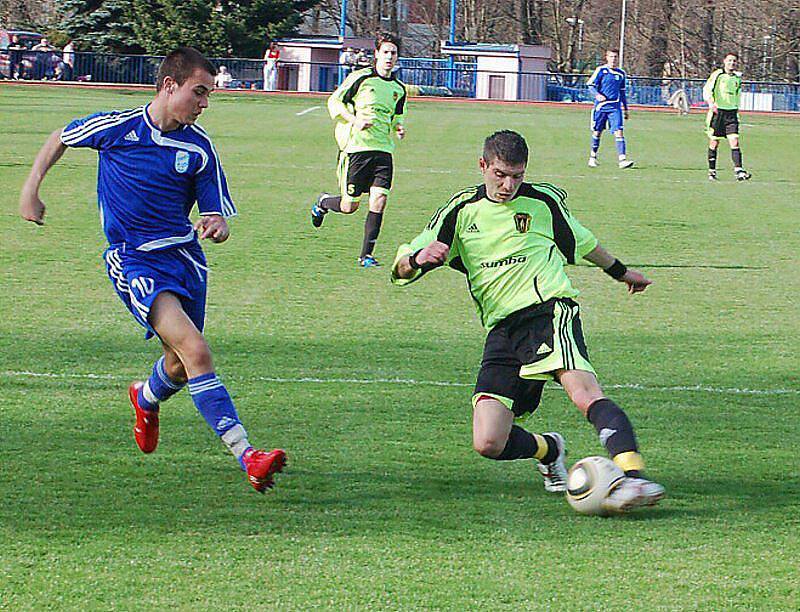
700, 174
414, 382
308, 110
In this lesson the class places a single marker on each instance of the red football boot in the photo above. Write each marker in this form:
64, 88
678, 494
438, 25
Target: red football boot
262, 465
146, 429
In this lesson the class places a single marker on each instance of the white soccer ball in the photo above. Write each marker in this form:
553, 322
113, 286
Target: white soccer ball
589, 482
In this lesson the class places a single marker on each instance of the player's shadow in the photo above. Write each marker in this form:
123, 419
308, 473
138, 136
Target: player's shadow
711, 497
190, 489
685, 497
689, 169
348, 473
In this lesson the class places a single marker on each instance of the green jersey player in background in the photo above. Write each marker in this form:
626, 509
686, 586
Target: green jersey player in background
722, 92
369, 108
512, 240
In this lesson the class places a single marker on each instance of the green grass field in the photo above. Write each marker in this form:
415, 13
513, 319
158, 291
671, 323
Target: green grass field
384, 504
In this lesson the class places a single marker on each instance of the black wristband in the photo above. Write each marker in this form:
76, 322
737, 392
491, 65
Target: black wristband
412, 260
616, 270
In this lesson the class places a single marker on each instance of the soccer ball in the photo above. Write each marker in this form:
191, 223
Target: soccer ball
589, 482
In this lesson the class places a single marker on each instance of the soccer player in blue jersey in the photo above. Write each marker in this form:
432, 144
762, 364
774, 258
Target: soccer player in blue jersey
607, 85
154, 164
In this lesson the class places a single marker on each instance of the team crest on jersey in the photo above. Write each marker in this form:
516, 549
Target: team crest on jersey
523, 222
181, 162
394, 95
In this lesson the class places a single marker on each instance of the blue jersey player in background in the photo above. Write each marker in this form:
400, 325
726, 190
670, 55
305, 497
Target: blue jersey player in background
154, 164
607, 86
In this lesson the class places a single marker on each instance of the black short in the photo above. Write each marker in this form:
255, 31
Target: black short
363, 170
724, 122
526, 338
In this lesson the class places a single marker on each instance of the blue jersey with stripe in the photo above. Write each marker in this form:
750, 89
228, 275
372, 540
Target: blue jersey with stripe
611, 83
149, 180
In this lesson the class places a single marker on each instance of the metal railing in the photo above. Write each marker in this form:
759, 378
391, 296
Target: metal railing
756, 95
425, 76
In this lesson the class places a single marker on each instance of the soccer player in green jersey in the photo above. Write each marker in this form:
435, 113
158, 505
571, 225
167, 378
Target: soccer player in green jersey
722, 92
512, 240
369, 109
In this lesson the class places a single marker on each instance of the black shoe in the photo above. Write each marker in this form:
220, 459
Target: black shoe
368, 261
318, 213
743, 175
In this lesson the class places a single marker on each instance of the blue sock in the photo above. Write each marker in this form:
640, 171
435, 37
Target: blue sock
214, 403
595, 143
158, 388
620, 142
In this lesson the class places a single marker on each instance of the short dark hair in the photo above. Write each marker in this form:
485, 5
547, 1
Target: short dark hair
733, 53
612, 50
180, 64
384, 37
506, 146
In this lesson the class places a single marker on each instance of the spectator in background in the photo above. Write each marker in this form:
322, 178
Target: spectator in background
223, 78
25, 68
666, 81
53, 67
271, 57
43, 66
43, 45
14, 54
347, 61
362, 59
68, 60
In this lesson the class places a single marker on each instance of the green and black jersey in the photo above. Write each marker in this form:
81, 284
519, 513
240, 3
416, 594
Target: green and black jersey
723, 89
366, 94
513, 253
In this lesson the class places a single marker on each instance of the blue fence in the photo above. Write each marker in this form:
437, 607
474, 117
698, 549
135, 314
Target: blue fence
436, 73
757, 95
426, 76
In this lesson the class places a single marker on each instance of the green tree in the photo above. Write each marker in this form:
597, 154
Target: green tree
99, 25
218, 28
250, 24
162, 25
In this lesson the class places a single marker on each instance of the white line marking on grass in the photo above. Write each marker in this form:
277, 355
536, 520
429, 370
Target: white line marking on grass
705, 389
701, 176
428, 383
27, 374
308, 110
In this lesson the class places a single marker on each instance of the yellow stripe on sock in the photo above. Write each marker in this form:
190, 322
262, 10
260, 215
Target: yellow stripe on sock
629, 461
541, 446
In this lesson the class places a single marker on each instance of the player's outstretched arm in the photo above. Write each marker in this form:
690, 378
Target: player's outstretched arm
31, 207
432, 256
635, 280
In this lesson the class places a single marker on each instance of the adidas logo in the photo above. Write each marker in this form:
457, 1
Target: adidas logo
131, 136
543, 349
225, 423
473, 228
